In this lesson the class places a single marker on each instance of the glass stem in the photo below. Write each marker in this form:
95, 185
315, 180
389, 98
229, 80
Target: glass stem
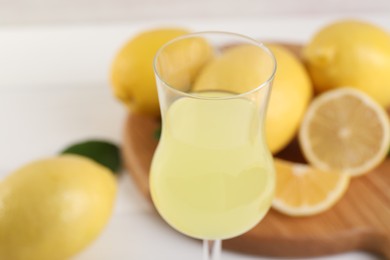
212, 249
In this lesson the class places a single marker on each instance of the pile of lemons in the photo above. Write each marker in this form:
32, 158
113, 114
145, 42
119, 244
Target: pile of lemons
134, 84
331, 93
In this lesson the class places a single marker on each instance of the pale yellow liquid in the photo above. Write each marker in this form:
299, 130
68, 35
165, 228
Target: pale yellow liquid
212, 176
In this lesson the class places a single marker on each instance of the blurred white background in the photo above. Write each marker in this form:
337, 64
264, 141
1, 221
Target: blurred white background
21, 12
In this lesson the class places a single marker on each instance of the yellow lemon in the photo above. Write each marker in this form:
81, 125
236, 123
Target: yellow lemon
302, 190
291, 93
132, 69
52, 208
237, 71
351, 53
345, 130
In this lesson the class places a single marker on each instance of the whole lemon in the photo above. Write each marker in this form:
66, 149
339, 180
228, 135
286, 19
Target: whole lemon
52, 208
237, 70
351, 53
291, 94
132, 70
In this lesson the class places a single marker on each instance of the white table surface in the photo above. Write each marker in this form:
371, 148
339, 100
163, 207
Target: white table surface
55, 90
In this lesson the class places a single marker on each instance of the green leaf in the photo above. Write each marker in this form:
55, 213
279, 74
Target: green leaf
103, 152
157, 133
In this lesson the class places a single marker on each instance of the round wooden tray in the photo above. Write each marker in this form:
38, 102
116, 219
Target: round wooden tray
359, 221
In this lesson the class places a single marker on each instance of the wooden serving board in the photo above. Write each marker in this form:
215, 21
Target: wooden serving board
359, 221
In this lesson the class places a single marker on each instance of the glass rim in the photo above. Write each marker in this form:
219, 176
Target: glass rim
259, 44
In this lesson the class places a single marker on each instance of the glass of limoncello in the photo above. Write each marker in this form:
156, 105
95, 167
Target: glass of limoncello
212, 175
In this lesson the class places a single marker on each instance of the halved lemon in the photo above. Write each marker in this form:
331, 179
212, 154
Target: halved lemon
345, 130
302, 190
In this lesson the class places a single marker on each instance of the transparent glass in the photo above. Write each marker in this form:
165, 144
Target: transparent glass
212, 175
